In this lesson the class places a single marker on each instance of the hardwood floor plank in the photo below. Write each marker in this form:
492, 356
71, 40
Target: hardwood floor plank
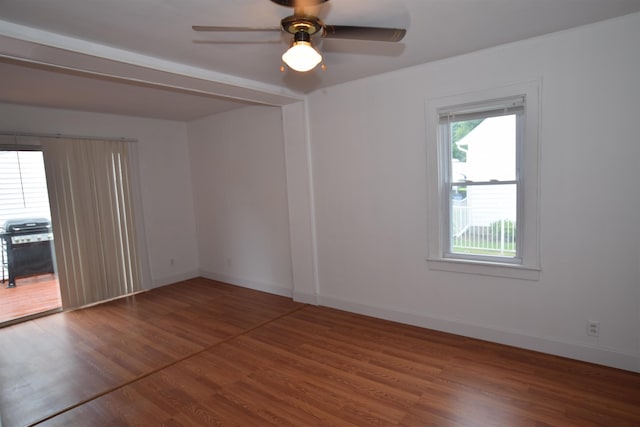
264, 404
91, 351
413, 363
442, 409
311, 406
203, 353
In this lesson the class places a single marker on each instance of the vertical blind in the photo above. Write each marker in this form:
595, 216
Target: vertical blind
92, 218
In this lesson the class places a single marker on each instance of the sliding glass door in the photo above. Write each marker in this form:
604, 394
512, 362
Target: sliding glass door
27, 267
81, 190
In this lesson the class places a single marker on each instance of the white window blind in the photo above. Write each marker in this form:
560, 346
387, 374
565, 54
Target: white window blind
23, 185
494, 108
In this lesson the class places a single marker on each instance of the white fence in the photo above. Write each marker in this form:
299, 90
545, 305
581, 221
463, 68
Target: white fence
496, 239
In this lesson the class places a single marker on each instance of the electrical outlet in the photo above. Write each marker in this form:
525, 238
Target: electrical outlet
593, 328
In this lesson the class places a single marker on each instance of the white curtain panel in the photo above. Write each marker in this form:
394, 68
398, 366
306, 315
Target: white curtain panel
92, 219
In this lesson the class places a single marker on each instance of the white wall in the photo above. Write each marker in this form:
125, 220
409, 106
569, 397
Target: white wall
163, 164
368, 161
238, 172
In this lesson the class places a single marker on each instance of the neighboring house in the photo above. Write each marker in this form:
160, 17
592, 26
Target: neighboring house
23, 188
490, 149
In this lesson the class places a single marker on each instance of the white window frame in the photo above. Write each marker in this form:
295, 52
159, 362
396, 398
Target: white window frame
526, 263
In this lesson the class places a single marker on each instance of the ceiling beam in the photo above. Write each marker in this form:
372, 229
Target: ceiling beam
34, 46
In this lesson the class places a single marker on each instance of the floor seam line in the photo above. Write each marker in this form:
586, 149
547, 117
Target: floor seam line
173, 363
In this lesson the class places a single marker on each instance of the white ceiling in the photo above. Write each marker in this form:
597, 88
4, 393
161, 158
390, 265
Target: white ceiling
141, 57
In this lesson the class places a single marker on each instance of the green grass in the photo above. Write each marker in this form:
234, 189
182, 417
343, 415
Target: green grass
488, 248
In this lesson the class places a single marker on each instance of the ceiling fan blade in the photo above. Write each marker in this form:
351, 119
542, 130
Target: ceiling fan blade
237, 42
222, 29
378, 34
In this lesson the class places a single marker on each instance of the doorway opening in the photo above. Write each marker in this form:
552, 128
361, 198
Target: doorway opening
28, 282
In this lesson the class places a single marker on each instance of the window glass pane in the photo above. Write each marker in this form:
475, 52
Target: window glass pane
23, 185
483, 149
483, 219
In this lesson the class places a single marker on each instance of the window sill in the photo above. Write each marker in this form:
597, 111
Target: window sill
512, 271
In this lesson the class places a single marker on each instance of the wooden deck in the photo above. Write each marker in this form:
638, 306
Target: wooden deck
31, 295
203, 353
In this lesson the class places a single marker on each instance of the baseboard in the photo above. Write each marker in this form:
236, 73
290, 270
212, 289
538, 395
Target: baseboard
599, 356
305, 298
270, 288
163, 281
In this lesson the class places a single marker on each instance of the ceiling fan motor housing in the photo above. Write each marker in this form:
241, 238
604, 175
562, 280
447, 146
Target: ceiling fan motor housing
297, 3
295, 24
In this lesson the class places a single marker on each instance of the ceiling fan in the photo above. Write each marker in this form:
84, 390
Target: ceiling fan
302, 25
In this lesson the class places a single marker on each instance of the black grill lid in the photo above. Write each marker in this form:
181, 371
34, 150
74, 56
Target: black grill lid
15, 225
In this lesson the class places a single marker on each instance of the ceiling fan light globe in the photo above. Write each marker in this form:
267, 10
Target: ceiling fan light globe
301, 57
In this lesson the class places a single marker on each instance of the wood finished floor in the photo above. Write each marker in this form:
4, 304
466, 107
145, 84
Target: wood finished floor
202, 353
31, 295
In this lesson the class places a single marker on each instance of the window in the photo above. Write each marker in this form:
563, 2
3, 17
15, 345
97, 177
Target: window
480, 145
483, 188
23, 188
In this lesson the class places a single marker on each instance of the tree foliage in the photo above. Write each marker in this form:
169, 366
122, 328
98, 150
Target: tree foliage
458, 131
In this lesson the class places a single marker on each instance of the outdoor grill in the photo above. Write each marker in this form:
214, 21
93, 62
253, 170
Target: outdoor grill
26, 248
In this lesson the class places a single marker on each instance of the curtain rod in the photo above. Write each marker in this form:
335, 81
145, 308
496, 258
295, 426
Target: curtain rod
60, 135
